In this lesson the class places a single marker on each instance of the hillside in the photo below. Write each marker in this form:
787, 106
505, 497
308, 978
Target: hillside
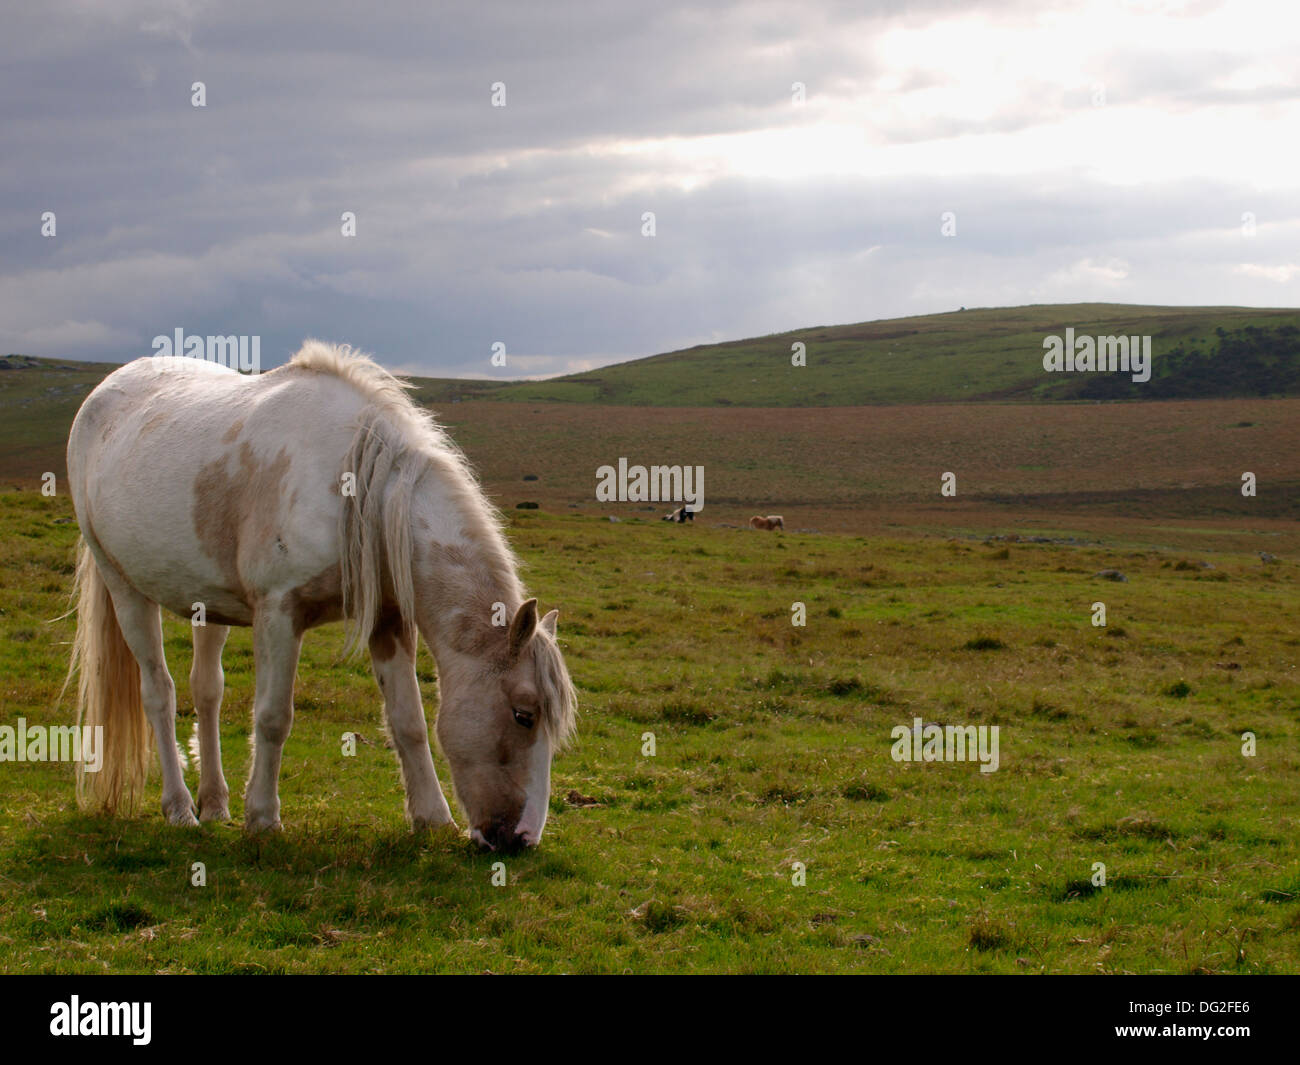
38, 400
991, 354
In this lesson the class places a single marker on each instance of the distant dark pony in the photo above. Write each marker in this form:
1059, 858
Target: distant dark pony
681, 514
772, 521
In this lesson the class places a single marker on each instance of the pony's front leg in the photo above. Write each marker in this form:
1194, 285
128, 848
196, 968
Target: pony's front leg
392, 653
275, 653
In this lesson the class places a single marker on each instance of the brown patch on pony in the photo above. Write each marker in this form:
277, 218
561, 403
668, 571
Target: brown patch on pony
318, 601
214, 617
389, 635
232, 434
229, 508
153, 423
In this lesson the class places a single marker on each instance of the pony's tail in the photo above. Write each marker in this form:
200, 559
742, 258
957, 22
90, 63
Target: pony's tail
108, 697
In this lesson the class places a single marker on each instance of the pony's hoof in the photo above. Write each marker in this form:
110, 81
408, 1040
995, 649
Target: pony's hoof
214, 811
421, 825
183, 817
255, 826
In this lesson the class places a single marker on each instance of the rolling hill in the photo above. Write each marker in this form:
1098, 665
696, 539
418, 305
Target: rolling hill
972, 356
961, 356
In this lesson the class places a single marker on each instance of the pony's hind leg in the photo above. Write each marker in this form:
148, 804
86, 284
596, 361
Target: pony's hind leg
392, 653
141, 623
275, 652
207, 683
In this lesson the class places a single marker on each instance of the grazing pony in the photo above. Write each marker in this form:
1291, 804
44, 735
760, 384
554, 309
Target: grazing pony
315, 492
772, 521
681, 514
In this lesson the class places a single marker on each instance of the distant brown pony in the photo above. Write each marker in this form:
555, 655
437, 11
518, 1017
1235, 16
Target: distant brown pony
772, 521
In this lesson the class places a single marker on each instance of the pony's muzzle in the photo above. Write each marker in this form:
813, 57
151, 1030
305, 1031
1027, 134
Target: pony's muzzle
501, 836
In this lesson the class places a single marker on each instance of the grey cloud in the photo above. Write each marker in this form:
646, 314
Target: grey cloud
479, 224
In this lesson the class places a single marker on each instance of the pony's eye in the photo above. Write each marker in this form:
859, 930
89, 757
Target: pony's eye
524, 717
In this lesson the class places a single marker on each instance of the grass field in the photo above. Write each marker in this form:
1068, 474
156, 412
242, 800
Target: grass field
1120, 745
771, 830
1130, 460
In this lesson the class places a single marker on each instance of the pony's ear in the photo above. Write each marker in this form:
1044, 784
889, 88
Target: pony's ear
548, 623
522, 627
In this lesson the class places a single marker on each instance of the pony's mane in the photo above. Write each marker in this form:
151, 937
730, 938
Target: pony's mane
395, 445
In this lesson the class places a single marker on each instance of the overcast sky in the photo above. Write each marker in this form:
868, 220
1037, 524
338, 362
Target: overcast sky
1089, 151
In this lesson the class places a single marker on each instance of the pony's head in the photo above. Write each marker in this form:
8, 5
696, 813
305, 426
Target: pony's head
503, 715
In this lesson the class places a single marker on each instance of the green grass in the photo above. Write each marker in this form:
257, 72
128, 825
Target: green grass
772, 749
